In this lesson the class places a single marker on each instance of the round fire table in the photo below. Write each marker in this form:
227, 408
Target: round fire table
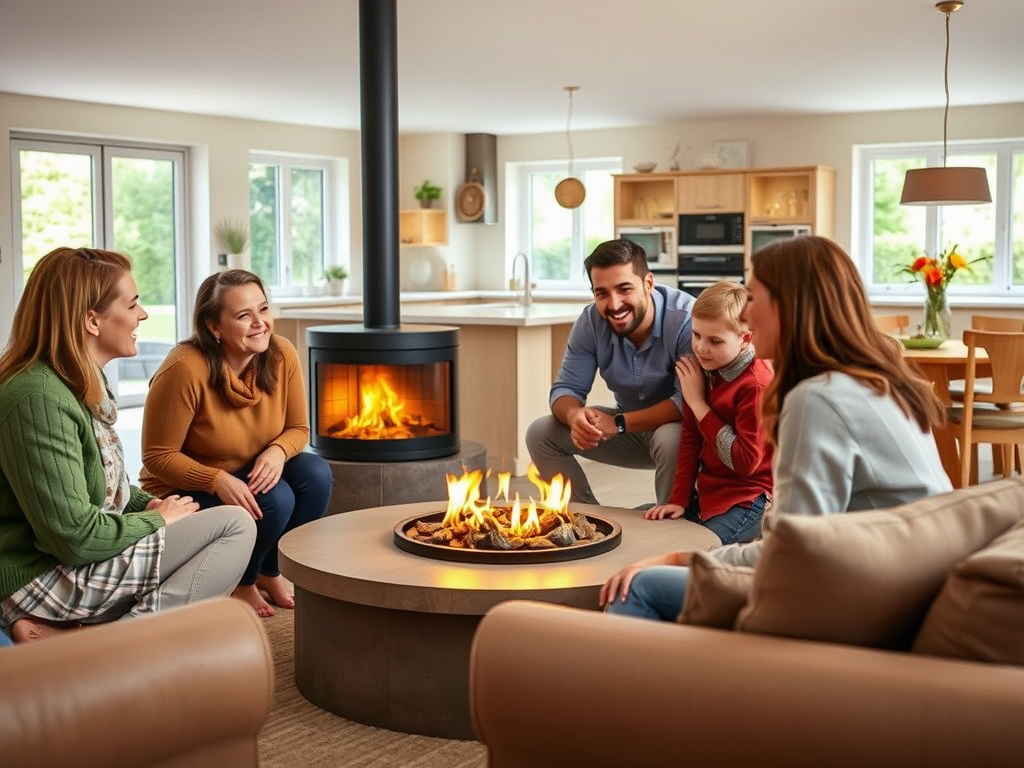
382, 636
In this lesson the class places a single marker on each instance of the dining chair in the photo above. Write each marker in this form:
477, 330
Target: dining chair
995, 417
956, 386
894, 324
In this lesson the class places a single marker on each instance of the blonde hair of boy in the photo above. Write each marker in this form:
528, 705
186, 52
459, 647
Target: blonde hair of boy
724, 302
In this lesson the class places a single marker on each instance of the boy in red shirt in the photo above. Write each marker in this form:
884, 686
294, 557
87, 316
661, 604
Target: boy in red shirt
724, 470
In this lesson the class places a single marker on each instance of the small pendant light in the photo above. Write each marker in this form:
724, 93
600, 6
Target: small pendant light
946, 185
570, 192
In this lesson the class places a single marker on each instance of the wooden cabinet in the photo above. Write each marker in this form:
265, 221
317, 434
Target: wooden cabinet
424, 226
711, 192
793, 196
647, 199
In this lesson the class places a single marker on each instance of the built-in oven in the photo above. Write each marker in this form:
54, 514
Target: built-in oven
702, 266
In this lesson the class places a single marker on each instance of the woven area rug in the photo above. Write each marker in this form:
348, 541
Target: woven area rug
301, 735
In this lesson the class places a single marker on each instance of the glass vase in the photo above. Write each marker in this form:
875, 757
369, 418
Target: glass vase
937, 316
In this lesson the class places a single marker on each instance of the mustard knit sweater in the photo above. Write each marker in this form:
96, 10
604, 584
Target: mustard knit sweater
191, 432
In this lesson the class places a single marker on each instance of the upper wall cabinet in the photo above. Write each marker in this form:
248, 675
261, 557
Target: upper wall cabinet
711, 192
423, 226
803, 195
645, 199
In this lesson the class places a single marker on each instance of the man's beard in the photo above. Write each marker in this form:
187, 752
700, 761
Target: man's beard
639, 313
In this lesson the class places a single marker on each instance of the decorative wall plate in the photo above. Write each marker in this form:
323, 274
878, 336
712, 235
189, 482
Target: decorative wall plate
470, 200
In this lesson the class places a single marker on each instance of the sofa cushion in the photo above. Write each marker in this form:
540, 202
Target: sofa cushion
868, 578
716, 592
979, 614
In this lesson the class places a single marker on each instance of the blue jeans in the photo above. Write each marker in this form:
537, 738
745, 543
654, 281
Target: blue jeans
300, 496
738, 525
659, 592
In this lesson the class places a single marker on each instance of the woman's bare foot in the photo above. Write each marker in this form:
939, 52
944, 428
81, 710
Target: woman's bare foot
250, 594
279, 590
30, 628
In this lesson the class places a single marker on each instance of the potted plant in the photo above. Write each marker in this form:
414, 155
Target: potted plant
427, 193
234, 237
335, 276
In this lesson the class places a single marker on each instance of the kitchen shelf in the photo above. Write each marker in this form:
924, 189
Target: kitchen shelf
646, 199
423, 226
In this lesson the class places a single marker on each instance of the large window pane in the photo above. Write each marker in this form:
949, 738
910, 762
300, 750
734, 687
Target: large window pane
56, 203
263, 221
307, 226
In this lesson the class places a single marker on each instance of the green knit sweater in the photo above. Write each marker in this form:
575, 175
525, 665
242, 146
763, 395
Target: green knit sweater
52, 484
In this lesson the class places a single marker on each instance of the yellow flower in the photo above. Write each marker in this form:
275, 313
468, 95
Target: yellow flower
956, 260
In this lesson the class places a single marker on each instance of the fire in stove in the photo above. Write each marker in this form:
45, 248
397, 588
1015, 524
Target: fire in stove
508, 525
381, 414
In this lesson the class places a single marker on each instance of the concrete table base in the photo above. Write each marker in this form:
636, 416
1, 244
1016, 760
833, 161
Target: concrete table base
382, 636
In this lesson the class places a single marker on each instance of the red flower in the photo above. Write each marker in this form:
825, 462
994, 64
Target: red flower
933, 275
919, 263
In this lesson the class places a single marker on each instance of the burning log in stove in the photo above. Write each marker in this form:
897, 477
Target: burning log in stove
508, 524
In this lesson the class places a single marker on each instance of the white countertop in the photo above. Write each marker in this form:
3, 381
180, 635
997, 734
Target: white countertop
497, 313
481, 308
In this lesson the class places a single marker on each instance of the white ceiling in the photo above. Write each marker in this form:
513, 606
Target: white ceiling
477, 66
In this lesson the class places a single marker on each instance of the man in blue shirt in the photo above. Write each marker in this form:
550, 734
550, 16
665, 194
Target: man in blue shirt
632, 334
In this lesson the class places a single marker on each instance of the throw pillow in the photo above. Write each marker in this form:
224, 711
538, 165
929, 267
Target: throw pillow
980, 612
715, 593
868, 578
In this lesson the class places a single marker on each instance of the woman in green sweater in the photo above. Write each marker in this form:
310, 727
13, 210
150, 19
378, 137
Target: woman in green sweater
78, 543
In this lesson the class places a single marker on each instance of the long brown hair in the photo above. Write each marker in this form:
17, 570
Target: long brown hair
825, 324
49, 323
209, 305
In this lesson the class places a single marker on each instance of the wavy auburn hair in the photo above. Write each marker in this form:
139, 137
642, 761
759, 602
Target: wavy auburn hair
825, 324
209, 305
49, 323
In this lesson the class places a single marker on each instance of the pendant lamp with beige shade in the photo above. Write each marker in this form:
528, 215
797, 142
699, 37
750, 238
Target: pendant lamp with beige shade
570, 192
946, 185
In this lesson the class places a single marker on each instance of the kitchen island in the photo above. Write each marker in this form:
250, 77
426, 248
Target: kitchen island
508, 357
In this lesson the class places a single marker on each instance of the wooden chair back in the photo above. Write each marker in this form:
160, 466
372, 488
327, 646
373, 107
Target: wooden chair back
1003, 425
1000, 324
894, 324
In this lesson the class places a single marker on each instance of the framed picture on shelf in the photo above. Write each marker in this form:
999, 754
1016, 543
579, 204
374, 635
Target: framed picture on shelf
735, 153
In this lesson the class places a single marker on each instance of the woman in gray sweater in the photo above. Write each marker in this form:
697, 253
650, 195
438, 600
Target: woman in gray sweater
850, 421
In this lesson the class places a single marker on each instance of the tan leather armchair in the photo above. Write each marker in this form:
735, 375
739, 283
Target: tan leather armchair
557, 687
189, 686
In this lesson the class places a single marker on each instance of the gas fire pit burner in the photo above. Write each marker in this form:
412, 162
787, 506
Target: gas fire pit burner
610, 537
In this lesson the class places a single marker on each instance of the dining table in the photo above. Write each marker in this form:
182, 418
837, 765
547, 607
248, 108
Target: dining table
941, 366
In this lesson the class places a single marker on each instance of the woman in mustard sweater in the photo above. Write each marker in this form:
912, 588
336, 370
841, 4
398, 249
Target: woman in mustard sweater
78, 543
225, 421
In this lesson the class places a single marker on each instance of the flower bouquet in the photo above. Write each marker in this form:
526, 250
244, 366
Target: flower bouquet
936, 274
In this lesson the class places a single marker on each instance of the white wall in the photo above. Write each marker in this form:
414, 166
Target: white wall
481, 253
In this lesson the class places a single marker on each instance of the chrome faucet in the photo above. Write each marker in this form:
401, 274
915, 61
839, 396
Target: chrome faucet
527, 298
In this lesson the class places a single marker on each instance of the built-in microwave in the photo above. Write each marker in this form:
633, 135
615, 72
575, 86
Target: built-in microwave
762, 234
659, 243
704, 229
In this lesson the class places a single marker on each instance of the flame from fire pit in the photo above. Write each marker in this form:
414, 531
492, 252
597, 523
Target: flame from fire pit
465, 508
475, 530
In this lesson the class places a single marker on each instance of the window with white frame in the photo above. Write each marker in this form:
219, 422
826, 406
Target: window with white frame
557, 239
290, 219
888, 236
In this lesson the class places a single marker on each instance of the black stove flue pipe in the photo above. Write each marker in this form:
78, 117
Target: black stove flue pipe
378, 68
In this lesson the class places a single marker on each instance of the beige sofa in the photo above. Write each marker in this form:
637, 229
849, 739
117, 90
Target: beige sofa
186, 687
888, 638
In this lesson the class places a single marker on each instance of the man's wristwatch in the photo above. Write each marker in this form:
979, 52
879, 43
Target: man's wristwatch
620, 423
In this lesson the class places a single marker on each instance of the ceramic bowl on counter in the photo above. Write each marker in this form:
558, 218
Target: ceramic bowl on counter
644, 167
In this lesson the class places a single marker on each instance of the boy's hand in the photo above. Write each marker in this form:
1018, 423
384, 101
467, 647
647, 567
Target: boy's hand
691, 384
663, 511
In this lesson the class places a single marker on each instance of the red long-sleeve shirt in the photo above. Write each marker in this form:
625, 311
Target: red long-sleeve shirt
726, 453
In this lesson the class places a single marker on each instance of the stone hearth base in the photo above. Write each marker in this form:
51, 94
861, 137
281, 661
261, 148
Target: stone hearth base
364, 484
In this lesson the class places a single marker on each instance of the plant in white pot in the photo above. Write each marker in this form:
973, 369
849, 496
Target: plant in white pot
427, 193
234, 237
335, 275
